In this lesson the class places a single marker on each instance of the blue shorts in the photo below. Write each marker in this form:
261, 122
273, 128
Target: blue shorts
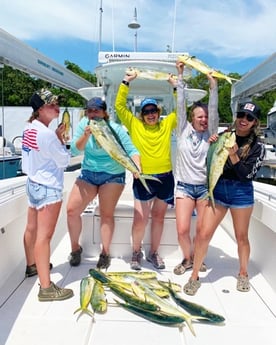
40, 195
163, 191
193, 191
100, 178
234, 194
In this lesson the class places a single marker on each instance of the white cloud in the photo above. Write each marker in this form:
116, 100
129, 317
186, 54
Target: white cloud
233, 29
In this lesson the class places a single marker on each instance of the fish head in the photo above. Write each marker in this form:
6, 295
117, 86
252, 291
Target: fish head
230, 139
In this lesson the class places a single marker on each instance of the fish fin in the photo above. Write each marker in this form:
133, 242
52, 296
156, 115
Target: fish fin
188, 320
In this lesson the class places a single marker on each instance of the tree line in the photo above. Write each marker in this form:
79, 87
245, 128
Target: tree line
16, 88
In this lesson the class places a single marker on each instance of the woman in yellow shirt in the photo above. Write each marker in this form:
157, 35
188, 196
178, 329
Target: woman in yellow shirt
152, 138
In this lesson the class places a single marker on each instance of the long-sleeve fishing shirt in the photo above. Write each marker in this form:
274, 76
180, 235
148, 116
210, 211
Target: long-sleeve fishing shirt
246, 168
153, 142
192, 146
43, 156
96, 158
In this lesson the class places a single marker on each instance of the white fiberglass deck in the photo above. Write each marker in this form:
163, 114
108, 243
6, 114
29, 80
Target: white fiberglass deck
24, 320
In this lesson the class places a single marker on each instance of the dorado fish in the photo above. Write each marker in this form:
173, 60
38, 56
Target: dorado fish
67, 123
216, 158
193, 308
86, 288
158, 317
200, 66
106, 138
98, 299
155, 75
165, 306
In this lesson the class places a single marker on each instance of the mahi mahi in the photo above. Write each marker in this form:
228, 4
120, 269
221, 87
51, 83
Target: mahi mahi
155, 75
200, 66
105, 137
216, 158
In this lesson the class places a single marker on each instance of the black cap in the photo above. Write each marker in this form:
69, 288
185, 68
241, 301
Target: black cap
250, 108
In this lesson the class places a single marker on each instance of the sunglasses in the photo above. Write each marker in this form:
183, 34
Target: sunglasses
149, 111
249, 117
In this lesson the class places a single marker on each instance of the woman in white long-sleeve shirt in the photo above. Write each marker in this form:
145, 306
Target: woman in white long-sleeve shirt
44, 157
191, 173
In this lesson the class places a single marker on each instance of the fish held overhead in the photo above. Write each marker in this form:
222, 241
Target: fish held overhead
200, 66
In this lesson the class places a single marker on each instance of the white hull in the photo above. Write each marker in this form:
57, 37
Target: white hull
250, 317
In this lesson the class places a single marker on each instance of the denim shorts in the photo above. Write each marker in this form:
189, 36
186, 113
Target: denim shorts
163, 191
234, 194
40, 195
100, 178
193, 191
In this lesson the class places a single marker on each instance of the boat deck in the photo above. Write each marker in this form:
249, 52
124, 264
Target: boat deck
250, 317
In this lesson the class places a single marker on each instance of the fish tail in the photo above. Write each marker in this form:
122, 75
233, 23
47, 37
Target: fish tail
190, 325
228, 79
143, 178
84, 310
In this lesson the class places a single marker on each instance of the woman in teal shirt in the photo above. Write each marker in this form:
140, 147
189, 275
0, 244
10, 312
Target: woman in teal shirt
100, 175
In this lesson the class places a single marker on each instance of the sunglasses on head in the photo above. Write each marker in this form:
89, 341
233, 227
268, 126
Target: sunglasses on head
149, 111
249, 117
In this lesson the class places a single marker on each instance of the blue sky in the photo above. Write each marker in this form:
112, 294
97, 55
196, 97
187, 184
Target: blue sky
228, 35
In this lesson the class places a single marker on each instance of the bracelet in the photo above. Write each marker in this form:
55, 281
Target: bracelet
125, 82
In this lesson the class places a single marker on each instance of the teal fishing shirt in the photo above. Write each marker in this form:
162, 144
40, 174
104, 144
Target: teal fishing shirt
97, 159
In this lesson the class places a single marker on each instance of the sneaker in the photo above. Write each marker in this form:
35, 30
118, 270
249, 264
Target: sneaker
243, 283
191, 287
156, 260
32, 270
54, 293
135, 263
75, 258
182, 267
104, 261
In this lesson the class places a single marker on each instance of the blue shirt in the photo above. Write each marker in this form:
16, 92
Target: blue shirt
97, 159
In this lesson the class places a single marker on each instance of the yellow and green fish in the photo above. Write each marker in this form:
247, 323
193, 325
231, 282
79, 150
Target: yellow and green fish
216, 158
200, 66
105, 137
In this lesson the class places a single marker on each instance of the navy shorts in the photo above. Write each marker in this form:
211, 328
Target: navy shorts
40, 195
193, 191
163, 191
100, 178
234, 194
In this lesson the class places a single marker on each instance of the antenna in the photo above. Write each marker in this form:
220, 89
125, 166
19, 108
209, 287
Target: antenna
134, 25
101, 27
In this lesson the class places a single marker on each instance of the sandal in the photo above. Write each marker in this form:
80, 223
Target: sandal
191, 287
243, 283
182, 267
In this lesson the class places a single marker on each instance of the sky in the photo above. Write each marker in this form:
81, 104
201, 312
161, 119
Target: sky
228, 35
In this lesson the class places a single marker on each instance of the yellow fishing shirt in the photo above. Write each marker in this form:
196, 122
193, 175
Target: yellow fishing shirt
153, 142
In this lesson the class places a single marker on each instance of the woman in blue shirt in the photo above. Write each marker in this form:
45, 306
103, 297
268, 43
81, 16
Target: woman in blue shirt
100, 175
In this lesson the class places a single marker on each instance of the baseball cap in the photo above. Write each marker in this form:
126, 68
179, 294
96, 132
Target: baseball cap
250, 108
148, 101
41, 97
96, 103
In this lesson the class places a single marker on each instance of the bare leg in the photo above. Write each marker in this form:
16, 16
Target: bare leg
46, 219
109, 195
241, 218
30, 236
158, 211
82, 193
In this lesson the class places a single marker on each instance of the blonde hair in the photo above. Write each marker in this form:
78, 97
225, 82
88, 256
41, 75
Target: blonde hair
34, 116
254, 133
